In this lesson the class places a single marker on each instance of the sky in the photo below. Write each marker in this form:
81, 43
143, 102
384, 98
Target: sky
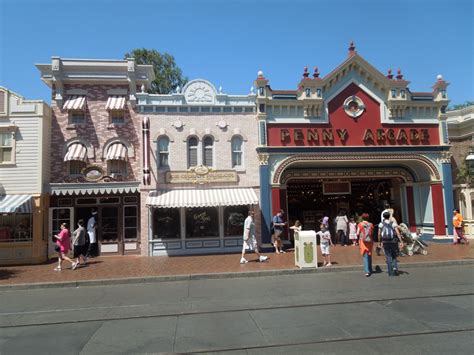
228, 42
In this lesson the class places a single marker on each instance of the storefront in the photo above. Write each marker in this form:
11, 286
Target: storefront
354, 141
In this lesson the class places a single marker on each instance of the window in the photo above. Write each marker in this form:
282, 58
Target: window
75, 167
166, 223
192, 151
208, 150
308, 92
236, 145
77, 117
6, 147
3, 95
202, 222
394, 93
117, 117
117, 167
15, 227
163, 152
130, 222
234, 217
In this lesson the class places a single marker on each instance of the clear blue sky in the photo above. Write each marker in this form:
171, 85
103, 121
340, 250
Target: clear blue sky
227, 42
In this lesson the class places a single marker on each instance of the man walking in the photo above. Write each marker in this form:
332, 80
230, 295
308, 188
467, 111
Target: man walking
250, 242
388, 236
92, 232
278, 226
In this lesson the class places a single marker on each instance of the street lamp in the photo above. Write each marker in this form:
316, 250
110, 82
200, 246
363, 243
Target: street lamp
470, 161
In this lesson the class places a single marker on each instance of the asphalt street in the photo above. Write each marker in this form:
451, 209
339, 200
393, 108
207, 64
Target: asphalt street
424, 310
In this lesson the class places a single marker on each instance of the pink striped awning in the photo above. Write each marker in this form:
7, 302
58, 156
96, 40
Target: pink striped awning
75, 103
115, 103
202, 198
117, 151
76, 151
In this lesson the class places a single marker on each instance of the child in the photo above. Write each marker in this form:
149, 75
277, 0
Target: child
324, 243
353, 231
297, 227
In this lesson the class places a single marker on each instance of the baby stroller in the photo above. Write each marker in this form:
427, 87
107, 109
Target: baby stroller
413, 242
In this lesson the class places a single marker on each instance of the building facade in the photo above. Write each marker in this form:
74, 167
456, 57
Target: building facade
25, 127
355, 140
200, 172
95, 148
461, 137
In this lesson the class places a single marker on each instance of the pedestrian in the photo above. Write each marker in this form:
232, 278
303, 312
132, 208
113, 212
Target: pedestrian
92, 233
353, 231
341, 227
458, 228
388, 236
79, 243
278, 227
366, 243
325, 242
297, 227
250, 241
63, 242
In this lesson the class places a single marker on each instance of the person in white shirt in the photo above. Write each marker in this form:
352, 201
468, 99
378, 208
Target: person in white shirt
92, 233
250, 242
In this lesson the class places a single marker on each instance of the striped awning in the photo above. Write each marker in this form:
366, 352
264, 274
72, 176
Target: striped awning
115, 103
202, 198
75, 103
117, 151
15, 204
76, 151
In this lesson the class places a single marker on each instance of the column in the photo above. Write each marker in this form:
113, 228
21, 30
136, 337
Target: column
265, 201
410, 208
438, 209
448, 189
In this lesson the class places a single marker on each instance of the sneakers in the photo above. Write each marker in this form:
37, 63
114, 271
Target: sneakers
328, 264
262, 258
74, 266
282, 251
57, 268
243, 261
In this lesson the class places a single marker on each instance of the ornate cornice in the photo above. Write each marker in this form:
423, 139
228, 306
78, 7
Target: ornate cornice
263, 158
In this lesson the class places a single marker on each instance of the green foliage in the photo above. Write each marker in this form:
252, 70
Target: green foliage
168, 75
460, 106
465, 175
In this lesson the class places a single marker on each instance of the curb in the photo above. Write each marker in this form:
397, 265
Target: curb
228, 275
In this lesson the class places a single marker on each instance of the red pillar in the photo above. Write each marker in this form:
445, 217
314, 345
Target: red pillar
438, 209
276, 202
411, 208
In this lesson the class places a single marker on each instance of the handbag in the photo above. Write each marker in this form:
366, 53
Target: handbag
57, 248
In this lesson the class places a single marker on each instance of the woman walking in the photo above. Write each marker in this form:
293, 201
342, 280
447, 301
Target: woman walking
366, 243
63, 242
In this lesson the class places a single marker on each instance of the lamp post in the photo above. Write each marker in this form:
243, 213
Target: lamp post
470, 161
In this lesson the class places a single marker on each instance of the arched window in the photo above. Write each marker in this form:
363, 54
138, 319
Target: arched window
236, 145
208, 150
192, 151
163, 152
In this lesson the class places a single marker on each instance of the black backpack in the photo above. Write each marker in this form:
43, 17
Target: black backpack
388, 232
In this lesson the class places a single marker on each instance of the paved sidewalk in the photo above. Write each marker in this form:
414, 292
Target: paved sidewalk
118, 269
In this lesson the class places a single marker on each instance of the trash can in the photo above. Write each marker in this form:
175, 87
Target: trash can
306, 254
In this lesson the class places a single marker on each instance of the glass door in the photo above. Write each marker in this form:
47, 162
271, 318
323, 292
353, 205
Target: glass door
57, 216
109, 234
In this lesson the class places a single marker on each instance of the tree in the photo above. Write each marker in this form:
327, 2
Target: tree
168, 75
460, 106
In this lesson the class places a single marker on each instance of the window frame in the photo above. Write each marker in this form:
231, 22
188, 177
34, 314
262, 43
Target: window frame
110, 164
71, 114
12, 146
116, 112
205, 149
166, 152
69, 167
188, 151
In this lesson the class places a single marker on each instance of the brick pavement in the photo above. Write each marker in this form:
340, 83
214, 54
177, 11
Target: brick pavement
123, 267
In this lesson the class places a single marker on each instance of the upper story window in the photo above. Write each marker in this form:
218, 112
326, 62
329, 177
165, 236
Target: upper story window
77, 117
75, 167
236, 145
75, 105
116, 107
6, 146
163, 152
117, 117
117, 167
208, 151
192, 152
3, 102
117, 156
76, 157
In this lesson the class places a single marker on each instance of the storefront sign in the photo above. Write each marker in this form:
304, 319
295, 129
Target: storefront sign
336, 188
200, 175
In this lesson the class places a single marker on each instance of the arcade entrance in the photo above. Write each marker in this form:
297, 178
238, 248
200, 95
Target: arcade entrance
310, 200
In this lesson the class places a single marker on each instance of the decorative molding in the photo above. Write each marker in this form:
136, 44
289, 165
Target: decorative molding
263, 158
199, 91
445, 157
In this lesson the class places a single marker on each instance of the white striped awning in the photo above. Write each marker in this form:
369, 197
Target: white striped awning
15, 204
117, 151
76, 151
75, 103
202, 198
115, 103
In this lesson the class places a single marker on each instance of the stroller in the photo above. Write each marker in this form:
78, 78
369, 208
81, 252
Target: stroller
413, 242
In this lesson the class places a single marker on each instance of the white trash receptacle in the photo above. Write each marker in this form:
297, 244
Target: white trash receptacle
306, 254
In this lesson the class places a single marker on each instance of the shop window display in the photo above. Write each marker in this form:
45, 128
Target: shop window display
166, 223
15, 227
234, 217
202, 222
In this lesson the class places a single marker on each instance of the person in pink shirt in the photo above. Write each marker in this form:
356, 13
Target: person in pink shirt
63, 242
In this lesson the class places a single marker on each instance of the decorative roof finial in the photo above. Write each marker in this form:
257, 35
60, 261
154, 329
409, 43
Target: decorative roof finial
389, 74
440, 77
260, 74
305, 74
251, 90
399, 74
178, 89
220, 89
316, 73
352, 48
143, 88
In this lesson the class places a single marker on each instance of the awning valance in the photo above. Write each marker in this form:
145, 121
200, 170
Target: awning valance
202, 198
75, 103
115, 103
93, 188
15, 204
76, 151
117, 151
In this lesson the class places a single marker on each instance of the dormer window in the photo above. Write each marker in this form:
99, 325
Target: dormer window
443, 94
308, 92
402, 93
261, 91
318, 92
394, 93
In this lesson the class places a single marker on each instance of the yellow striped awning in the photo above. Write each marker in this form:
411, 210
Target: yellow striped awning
76, 151
75, 103
202, 198
117, 151
115, 103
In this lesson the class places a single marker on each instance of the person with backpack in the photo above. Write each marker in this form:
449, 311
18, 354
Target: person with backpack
366, 242
389, 237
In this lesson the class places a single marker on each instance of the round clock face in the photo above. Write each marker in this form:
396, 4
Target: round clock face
354, 106
199, 92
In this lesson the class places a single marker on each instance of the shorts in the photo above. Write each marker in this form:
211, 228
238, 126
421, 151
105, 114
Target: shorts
277, 235
79, 250
325, 248
250, 244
